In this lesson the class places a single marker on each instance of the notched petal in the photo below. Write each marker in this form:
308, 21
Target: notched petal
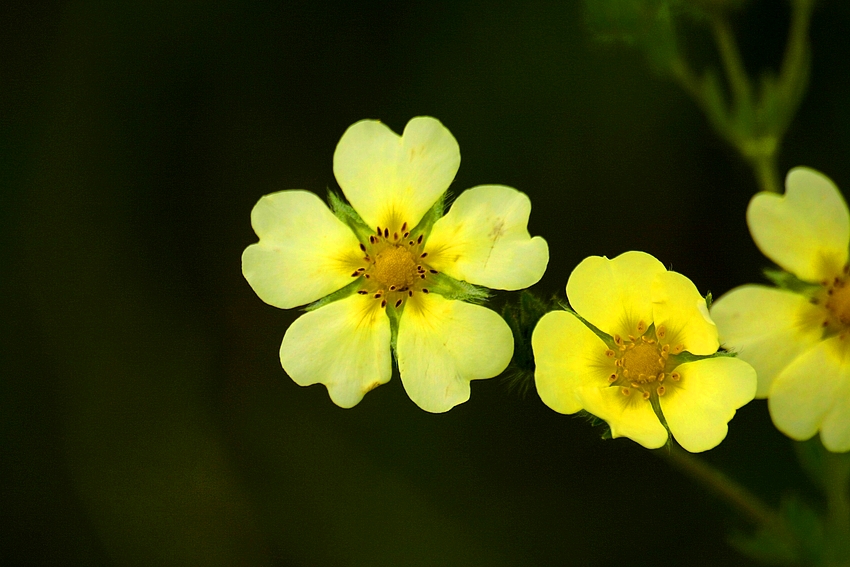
807, 230
484, 240
704, 400
391, 179
767, 327
567, 357
344, 345
443, 344
614, 295
679, 308
304, 252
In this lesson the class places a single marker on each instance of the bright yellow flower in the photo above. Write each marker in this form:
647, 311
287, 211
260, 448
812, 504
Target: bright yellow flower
396, 270
639, 371
798, 341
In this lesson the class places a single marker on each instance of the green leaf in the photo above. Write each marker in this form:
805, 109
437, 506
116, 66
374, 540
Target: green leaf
645, 24
765, 546
797, 539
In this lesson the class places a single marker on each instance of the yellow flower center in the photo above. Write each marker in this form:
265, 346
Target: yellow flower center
641, 362
393, 268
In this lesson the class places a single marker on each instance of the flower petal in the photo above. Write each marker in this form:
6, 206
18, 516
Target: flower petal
806, 396
568, 356
807, 230
443, 344
630, 417
835, 430
484, 240
391, 179
614, 295
304, 252
767, 327
699, 407
681, 310
344, 345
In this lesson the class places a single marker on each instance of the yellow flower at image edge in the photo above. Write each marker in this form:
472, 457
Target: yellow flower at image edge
643, 370
389, 269
798, 339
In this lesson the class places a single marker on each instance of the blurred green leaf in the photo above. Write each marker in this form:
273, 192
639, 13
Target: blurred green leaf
645, 24
795, 541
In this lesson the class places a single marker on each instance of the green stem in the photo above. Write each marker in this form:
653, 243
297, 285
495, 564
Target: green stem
766, 172
739, 83
794, 68
686, 78
734, 493
837, 487
698, 89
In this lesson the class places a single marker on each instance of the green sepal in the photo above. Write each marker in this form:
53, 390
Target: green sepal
349, 216
433, 214
595, 421
451, 288
394, 314
606, 338
350, 289
709, 299
784, 280
685, 356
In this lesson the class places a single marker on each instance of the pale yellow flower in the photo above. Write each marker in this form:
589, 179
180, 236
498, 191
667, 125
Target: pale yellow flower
395, 268
648, 363
798, 338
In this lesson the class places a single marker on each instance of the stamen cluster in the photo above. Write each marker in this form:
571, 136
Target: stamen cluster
835, 298
641, 362
393, 268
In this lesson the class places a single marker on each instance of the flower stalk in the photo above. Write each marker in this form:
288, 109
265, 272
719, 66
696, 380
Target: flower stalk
721, 484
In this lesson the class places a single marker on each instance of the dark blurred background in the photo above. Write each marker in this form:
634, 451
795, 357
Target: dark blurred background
144, 416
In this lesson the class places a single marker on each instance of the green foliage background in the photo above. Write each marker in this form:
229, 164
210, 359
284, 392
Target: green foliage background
144, 416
